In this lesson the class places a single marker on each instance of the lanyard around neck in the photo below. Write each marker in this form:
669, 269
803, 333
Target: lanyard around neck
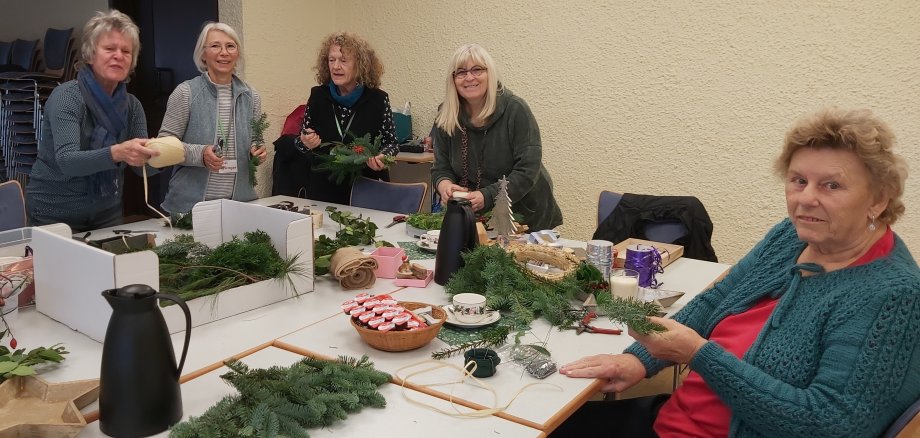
339, 125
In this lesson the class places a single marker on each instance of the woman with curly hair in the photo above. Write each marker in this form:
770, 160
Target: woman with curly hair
346, 104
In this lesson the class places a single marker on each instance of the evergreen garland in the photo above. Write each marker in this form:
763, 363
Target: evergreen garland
523, 296
347, 161
285, 401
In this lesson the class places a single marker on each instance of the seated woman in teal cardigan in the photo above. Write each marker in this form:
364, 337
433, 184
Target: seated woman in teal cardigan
816, 332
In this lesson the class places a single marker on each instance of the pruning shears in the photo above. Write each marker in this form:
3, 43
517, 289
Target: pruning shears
585, 326
397, 220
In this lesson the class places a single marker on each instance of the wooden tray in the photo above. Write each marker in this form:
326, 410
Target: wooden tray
669, 251
31, 406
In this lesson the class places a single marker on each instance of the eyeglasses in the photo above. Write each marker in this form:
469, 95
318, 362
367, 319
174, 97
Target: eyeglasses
475, 71
216, 47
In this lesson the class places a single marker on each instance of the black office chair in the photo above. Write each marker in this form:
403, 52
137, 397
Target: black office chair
402, 198
665, 232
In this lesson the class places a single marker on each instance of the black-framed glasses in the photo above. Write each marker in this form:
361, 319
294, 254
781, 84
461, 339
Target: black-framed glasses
475, 71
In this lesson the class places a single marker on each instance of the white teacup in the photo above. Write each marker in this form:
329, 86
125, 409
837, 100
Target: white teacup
469, 308
431, 237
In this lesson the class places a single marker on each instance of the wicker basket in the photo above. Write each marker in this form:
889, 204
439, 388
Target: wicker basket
403, 340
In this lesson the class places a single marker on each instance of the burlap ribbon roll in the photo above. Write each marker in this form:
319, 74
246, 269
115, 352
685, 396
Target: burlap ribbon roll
352, 268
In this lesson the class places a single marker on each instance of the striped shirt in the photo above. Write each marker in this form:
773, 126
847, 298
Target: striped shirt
220, 185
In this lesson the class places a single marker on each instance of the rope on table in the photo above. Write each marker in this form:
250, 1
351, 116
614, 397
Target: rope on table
466, 373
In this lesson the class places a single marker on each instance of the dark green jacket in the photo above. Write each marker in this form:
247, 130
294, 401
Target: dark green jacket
507, 145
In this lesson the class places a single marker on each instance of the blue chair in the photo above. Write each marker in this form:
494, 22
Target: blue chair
402, 198
5, 48
57, 50
12, 206
665, 232
23, 53
907, 425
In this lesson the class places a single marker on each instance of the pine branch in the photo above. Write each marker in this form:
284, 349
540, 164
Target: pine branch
492, 337
285, 401
633, 313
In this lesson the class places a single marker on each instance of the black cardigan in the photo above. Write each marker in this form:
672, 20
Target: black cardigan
633, 212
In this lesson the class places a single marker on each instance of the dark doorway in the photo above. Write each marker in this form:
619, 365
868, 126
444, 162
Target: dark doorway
169, 30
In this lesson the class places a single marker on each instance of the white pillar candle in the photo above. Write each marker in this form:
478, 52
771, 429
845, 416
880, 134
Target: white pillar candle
624, 286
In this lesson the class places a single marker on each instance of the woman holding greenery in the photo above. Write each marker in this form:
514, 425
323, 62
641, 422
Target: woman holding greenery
347, 104
213, 115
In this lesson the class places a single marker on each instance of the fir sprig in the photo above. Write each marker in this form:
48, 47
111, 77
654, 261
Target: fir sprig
349, 160
285, 401
492, 337
191, 269
258, 126
181, 221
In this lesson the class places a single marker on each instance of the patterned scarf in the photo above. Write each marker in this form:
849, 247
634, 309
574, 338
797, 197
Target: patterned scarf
111, 116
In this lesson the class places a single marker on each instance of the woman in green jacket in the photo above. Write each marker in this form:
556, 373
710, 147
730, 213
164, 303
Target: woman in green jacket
483, 133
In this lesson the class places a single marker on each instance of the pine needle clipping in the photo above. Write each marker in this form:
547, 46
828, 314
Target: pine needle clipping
286, 401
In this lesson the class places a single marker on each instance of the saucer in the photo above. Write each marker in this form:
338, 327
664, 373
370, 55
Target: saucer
491, 318
424, 245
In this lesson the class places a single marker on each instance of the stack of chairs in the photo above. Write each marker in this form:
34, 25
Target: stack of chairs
22, 98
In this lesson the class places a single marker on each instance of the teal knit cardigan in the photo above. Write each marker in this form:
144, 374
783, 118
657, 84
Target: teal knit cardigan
839, 356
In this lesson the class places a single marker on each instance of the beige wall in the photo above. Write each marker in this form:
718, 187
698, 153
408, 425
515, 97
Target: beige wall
687, 98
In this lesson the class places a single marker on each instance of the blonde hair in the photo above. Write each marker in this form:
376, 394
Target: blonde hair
862, 133
368, 68
449, 115
198, 54
102, 23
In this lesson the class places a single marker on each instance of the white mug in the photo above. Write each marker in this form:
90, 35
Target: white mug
431, 237
469, 308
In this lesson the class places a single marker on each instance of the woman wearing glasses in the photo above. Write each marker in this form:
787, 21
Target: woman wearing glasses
484, 132
346, 104
213, 114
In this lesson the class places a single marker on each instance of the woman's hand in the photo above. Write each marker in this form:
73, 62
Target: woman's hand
258, 152
477, 200
133, 152
446, 189
310, 139
678, 344
210, 160
620, 371
376, 163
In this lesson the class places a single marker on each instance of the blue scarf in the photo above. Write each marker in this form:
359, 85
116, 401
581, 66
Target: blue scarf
347, 100
111, 116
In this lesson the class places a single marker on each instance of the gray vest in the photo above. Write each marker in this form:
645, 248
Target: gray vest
189, 183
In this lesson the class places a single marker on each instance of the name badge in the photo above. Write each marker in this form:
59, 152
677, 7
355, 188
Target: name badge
228, 167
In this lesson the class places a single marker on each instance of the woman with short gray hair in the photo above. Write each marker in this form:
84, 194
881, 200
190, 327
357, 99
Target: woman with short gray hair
213, 115
92, 129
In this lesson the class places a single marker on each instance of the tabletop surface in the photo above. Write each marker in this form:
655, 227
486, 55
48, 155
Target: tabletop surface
314, 323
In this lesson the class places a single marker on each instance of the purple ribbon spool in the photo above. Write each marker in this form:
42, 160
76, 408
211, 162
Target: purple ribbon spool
646, 260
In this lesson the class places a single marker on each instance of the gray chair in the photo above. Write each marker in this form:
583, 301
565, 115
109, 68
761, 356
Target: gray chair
402, 198
12, 206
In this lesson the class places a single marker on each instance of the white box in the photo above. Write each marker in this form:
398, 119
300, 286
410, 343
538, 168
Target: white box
71, 275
